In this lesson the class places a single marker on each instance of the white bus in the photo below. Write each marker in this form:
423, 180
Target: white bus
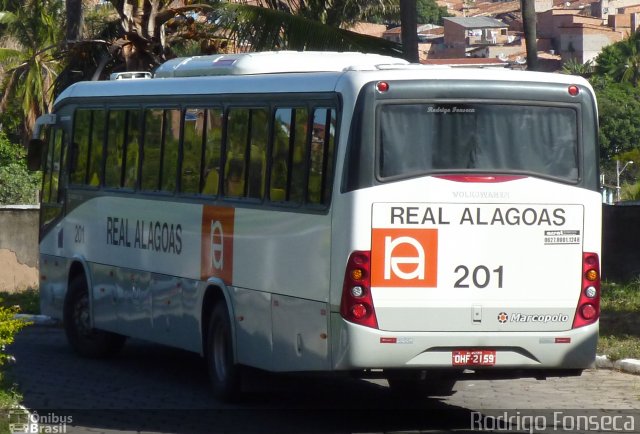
327, 212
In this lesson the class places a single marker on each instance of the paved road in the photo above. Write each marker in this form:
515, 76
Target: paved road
154, 389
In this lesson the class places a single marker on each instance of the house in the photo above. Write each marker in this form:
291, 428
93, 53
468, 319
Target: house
576, 36
603, 8
465, 35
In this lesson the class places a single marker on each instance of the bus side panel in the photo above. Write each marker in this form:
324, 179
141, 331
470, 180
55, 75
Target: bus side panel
304, 346
281, 278
105, 300
53, 285
254, 343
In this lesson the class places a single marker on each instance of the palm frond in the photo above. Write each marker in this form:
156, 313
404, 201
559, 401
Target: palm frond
7, 17
263, 29
9, 54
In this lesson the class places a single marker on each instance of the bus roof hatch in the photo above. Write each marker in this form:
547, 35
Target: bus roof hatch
271, 62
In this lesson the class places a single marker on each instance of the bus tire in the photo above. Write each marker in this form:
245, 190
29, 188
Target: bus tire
85, 340
421, 384
224, 373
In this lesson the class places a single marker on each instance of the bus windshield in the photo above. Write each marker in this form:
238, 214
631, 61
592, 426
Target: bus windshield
428, 137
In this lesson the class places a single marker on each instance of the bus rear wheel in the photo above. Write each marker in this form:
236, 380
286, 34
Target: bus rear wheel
85, 340
224, 373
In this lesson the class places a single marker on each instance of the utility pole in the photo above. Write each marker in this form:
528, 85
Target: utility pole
618, 173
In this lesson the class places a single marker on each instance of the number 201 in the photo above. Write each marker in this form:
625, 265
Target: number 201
481, 276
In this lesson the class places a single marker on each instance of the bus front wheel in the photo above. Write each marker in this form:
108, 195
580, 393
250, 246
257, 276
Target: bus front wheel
85, 340
224, 373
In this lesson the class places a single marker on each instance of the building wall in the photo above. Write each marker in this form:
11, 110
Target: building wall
543, 5
584, 44
18, 248
549, 23
604, 8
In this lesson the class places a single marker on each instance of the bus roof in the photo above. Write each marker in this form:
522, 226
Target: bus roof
270, 62
262, 73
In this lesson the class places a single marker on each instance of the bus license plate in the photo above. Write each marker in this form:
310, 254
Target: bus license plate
473, 357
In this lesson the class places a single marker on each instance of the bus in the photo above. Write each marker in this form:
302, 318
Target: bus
326, 212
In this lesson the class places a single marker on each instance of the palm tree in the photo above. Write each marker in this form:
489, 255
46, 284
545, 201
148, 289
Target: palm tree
74, 19
31, 68
530, 37
141, 42
409, 20
621, 61
573, 67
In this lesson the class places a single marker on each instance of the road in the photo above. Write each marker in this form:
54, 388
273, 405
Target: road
154, 389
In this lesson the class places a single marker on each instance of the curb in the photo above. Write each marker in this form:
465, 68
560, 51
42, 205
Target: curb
42, 320
630, 366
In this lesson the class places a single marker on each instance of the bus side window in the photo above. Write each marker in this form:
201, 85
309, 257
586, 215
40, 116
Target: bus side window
298, 156
80, 148
95, 148
288, 158
280, 155
132, 149
115, 148
258, 153
322, 148
151, 154
170, 145
192, 150
212, 149
51, 208
237, 140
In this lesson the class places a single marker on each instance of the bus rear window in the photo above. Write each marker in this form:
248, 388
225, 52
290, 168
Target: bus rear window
416, 139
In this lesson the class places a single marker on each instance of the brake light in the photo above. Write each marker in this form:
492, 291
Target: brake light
356, 305
480, 178
588, 310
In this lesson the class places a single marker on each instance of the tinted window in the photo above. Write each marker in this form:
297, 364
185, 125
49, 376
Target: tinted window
194, 120
420, 138
152, 146
212, 152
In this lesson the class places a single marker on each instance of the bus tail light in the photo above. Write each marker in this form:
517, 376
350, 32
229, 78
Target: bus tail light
480, 178
588, 310
356, 305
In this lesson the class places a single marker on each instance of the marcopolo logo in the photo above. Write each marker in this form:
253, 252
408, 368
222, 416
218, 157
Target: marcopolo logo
503, 317
404, 257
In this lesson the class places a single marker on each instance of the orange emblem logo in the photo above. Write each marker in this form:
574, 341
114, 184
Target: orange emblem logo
404, 257
217, 243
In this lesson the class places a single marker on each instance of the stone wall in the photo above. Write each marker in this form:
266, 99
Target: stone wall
18, 247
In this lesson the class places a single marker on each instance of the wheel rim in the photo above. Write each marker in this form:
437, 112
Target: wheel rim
81, 317
220, 355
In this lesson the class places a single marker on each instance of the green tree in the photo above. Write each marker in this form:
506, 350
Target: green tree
621, 61
18, 186
30, 68
430, 13
573, 67
619, 117
138, 41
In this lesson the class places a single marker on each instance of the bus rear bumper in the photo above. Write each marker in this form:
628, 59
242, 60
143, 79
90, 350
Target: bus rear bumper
357, 347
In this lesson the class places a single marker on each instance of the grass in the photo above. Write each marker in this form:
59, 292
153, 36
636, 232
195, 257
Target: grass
28, 300
620, 320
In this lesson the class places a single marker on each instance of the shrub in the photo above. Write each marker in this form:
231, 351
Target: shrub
17, 184
9, 327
